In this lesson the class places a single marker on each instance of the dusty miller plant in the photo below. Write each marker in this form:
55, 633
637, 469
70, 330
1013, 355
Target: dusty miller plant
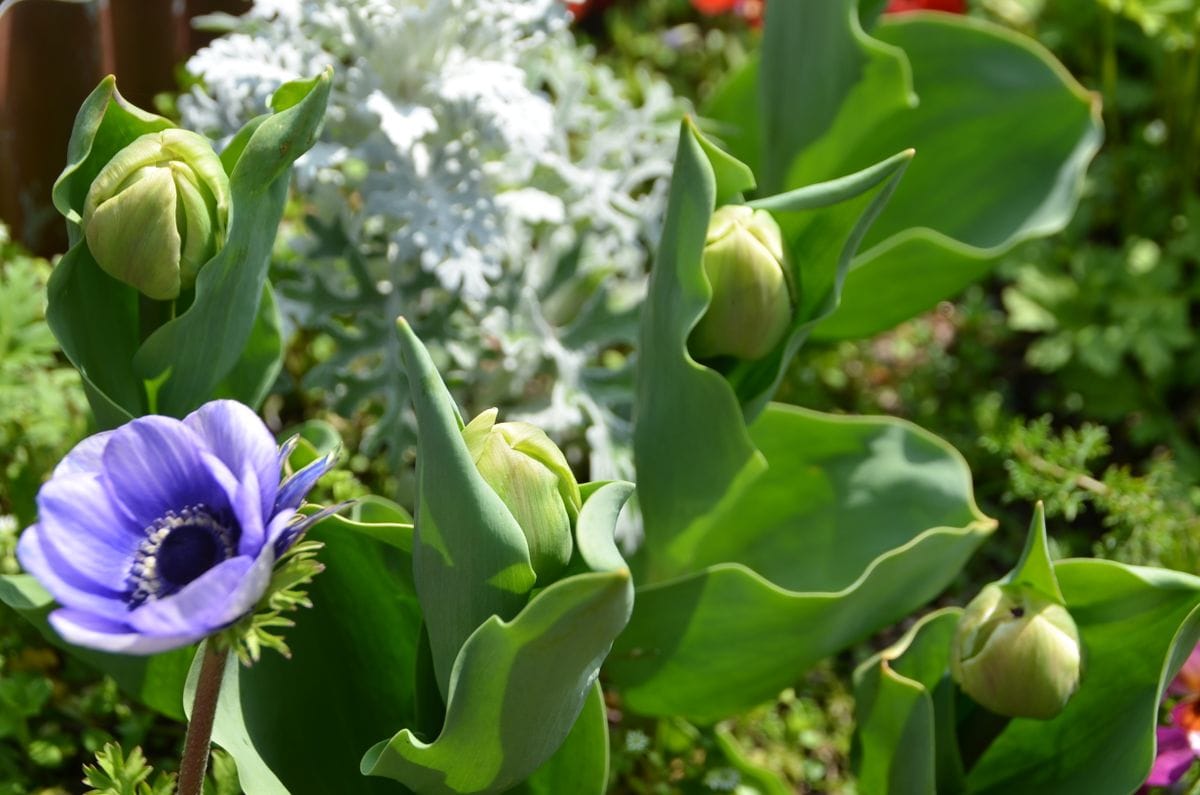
479, 174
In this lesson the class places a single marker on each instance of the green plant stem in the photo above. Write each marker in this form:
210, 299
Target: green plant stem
197, 743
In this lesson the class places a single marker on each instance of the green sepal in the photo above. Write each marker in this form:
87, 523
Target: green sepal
1035, 569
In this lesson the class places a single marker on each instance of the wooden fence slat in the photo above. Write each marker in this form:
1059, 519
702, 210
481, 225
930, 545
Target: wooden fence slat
52, 54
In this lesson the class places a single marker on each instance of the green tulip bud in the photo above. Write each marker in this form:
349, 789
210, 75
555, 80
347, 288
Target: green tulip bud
1016, 652
157, 212
751, 306
532, 477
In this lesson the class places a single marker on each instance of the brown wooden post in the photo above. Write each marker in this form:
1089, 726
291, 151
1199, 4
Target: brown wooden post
145, 40
52, 54
50, 59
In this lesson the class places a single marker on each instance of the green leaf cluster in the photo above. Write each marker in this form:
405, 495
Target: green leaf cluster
916, 735
222, 339
118, 773
935, 82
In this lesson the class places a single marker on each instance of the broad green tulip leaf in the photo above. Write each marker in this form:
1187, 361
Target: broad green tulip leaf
904, 741
229, 728
854, 523
519, 686
701, 413
1137, 626
580, 765
202, 346
95, 320
351, 675
815, 54
255, 372
974, 82
157, 681
470, 557
977, 82
517, 689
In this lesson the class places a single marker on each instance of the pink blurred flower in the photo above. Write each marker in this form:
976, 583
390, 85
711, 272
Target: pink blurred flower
1179, 743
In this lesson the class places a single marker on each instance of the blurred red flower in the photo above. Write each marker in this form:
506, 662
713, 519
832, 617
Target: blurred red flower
752, 10
949, 6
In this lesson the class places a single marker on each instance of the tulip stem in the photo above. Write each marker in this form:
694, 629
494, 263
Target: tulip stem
197, 743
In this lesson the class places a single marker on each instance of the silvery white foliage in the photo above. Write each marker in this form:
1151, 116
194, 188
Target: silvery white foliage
469, 147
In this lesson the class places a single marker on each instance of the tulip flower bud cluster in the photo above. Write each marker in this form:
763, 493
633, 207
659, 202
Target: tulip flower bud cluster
1017, 652
157, 212
531, 475
752, 291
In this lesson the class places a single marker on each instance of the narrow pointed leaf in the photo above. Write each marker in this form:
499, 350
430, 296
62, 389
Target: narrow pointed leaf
470, 557
202, 346
255, 372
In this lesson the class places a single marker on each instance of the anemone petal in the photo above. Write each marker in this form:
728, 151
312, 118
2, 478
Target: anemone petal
292, 490
66, 585
212, 601
86, 629
85, 457
246, 507
153, 465
235, 434
79, 519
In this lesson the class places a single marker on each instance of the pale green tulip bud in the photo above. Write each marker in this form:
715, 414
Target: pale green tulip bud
532, 477
1016, 652
751, 306
157, 212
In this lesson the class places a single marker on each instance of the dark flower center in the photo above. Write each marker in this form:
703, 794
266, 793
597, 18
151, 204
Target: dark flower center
178, 548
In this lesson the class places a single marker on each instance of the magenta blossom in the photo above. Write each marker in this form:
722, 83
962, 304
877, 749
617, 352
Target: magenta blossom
163, 531
1179, 743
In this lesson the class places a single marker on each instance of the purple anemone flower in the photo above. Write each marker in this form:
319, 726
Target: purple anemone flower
162, 532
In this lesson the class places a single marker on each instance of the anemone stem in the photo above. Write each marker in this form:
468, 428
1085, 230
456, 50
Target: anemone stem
197, 743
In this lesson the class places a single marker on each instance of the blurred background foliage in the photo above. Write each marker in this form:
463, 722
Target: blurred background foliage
1069, 376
